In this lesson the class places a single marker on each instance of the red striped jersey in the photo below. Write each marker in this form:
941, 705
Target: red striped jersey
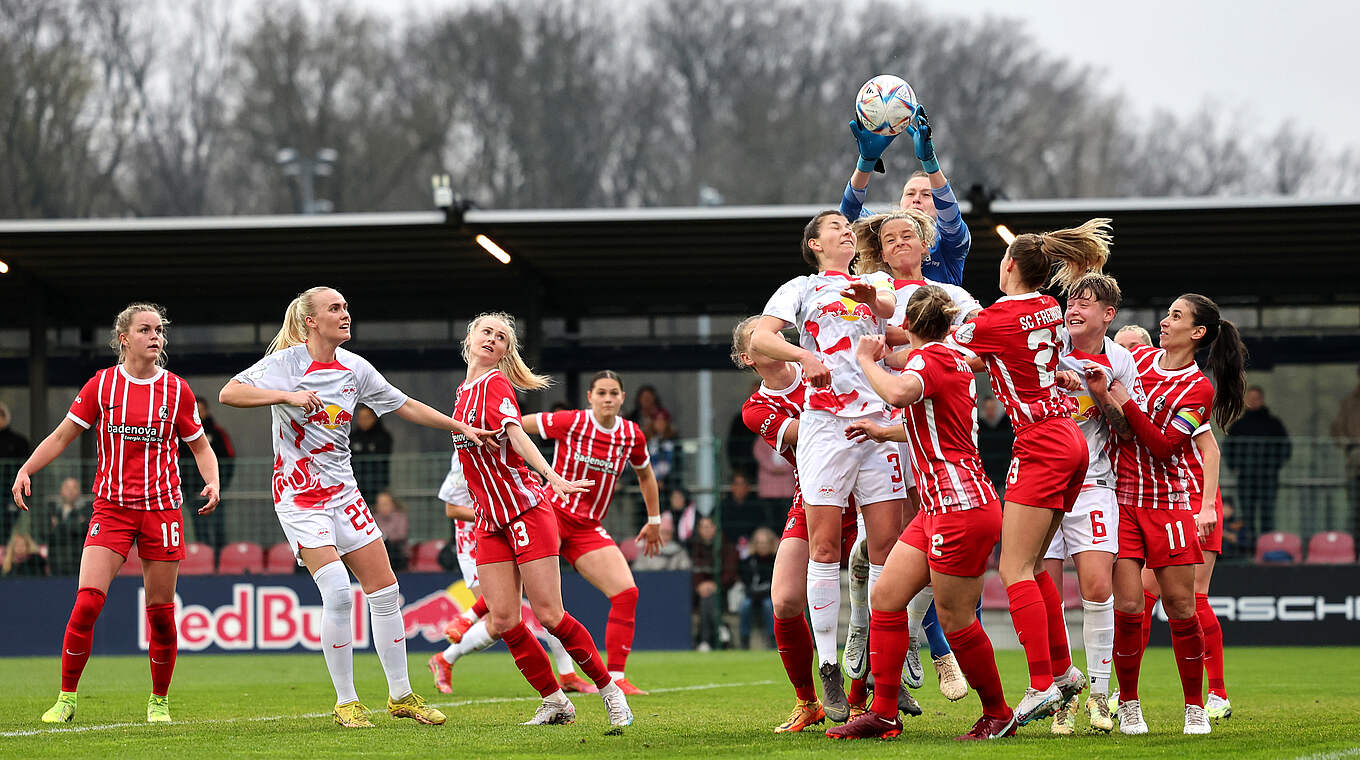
501, 484
586, 450
139, 425
768, 412
829, 325
1018, 339
1099, 442
942, 428
1178, 405
312, 467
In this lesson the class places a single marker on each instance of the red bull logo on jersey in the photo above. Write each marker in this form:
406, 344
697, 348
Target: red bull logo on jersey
428, 615
331, 417
1086, 408
847, 309
258, 617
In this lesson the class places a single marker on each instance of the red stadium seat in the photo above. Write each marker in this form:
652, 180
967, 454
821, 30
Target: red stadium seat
994, 593
280, 560
133, 566
1279, 548
198, 560
425, 559
630, 549
241, 557
1331, 548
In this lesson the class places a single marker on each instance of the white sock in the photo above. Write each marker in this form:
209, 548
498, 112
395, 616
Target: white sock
558, 696
874, 572
615, 675
389, 638
824, 604
476, 639
337, 628
859, 589
469, 615
1097, 631
916, 614
565, 665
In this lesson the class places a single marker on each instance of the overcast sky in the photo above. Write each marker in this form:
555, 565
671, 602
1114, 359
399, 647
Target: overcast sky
1300, 58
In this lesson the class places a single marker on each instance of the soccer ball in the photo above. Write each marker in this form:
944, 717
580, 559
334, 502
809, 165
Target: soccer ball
886, 105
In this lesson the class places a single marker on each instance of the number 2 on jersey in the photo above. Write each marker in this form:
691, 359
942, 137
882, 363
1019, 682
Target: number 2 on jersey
1041, 341
359, 516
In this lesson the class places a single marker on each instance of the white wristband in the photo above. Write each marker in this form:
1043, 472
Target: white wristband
653, 519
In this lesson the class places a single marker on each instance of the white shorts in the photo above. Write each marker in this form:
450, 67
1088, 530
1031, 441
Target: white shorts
454, 489
346, 529
831, 469
466, 544
1091, 526
904, 456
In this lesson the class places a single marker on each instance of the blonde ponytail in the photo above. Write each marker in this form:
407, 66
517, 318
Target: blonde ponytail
516, 371
123, 322
1077, 251
294, 330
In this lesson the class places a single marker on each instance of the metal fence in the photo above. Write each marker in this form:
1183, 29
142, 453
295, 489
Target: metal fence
1297, 485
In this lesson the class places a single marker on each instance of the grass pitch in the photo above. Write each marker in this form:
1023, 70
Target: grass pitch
1288, 703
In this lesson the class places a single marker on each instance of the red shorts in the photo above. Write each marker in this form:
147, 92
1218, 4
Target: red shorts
796, 526
531, 535
1214, 541
159, 534
956, 543
1048, 465
1158, 537
580, 535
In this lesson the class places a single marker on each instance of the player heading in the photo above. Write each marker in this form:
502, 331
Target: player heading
1076, 250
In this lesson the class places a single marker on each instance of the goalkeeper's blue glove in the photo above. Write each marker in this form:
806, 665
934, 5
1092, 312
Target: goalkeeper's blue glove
871, 147
920, 138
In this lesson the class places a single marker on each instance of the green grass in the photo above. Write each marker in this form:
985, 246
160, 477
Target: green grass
1288, 702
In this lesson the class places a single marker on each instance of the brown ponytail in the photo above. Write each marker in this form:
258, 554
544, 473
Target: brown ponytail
930, 312
1227, 358
1078, 250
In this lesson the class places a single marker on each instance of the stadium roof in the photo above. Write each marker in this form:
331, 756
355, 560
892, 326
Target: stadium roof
600, 262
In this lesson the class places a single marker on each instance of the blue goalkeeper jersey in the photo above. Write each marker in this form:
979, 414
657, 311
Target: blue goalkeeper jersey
944, 261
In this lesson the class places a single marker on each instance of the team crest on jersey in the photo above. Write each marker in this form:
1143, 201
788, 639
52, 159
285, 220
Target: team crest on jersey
507, 407
965, 334
1159, 404
348, 390
164, 412
916, 363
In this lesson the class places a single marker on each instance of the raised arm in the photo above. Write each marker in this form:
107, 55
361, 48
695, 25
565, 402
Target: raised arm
238, 394
766, 339
525, 447
50, 448
898, 390
871, 147
955, 239
422, 414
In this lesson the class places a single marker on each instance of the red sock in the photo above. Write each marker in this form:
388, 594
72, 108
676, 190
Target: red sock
479, 607
1187, 641
1059, 652
576, 640
978, 663
858, 693
1128, 652
890, 633
75, 647
793, 638
1030, 617
1149, 601
531, 660
160, 622
1213, 645
618, 632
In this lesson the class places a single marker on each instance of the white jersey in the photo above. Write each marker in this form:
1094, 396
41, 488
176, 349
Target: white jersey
905, 288
454, 490
830, 325
1120, 366
311, 451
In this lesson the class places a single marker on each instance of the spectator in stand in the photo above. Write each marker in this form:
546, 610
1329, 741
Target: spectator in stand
740, 513
210, 529
1238, 541
664, 450
775, 477
740, 451
671, 555
682, 511
22, 557
1346, 428
714, 561
371, 446
648, 411
1256, 449
13, 451
756, 571
995, 438
67, 522
390, 514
